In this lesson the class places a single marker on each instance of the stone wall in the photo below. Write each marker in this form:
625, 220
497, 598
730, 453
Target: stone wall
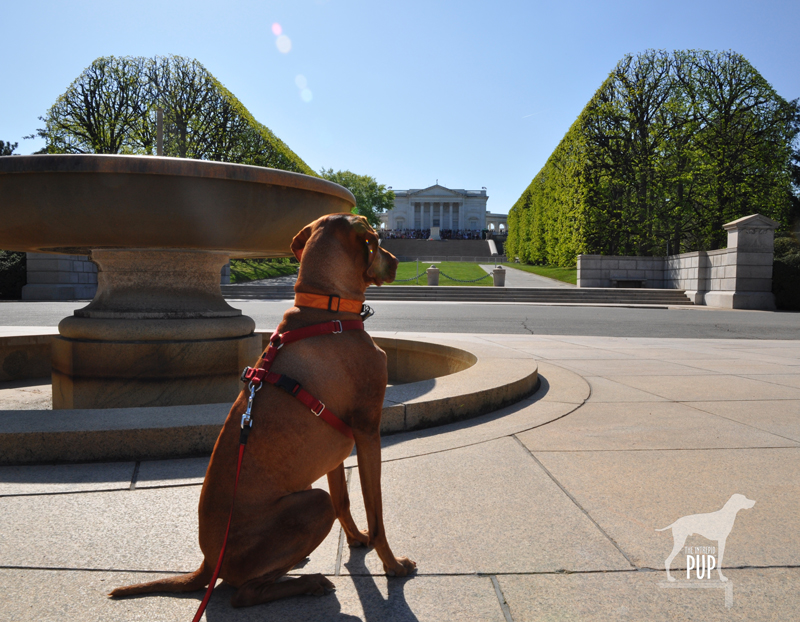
70, 277
60, 277
601, 271
737, 277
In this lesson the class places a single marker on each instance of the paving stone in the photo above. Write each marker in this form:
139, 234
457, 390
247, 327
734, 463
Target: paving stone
604, 390
561, 393
645, 425
42, 479
486, 508
698, 388
776, 416
758, 594
632, 493
744, 365
26, 395
153, 529
139, 530
630, 367
73, 595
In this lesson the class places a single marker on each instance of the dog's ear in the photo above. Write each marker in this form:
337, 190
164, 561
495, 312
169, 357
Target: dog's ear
299, 241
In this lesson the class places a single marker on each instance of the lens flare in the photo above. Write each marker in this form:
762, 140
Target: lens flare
300, 81
306, 95
276, 29
284, 44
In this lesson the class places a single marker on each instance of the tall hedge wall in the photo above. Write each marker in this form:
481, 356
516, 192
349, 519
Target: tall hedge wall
111, 108
671, 147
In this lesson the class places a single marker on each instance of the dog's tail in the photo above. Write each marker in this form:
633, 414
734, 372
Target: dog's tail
665, 528
190, 582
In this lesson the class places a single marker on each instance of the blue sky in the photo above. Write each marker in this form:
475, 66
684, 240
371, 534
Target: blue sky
470, 93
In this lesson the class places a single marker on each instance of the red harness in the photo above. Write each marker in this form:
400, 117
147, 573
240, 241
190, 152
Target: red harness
255, 377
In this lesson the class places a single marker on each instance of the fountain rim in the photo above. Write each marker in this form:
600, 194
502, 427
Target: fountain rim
168, 166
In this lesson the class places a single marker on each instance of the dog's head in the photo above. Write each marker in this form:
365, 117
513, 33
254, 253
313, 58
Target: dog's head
740, 502
341, 252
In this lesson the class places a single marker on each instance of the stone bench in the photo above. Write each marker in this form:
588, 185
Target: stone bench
624, 281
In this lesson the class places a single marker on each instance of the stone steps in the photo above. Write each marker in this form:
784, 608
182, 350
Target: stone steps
485, 294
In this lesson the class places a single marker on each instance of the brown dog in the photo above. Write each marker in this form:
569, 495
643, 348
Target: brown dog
278, 520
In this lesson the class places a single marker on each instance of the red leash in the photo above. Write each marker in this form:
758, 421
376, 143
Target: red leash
255, 377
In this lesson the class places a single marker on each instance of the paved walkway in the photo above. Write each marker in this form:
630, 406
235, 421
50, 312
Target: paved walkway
507, 521
520, 278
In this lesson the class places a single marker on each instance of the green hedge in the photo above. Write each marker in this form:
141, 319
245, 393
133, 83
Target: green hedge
786, 282
671, 147
13, 275
111, 108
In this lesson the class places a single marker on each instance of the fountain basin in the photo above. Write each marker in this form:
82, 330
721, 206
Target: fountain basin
434, 382
158, 332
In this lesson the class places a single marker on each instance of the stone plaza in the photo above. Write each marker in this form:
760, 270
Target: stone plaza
546, 509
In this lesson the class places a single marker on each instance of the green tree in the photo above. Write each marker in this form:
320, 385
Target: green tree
111, 108
6, 149
669, 148
372, 198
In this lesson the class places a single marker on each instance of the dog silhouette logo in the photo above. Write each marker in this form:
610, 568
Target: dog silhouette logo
712, 526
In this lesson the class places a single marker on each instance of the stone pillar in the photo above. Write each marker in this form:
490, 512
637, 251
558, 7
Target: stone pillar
746, 282
433, 275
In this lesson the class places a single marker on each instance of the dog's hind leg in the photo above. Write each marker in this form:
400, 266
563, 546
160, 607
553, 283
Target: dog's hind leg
297, 526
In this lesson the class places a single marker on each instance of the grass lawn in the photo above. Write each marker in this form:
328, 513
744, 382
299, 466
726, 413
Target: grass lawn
568, 275
243, 270
456, 269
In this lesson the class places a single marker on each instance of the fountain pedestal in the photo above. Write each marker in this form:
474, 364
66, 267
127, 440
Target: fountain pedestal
158, 332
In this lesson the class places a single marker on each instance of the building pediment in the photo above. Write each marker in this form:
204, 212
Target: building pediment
436, 191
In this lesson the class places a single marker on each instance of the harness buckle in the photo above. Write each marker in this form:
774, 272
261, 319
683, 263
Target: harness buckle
319, 412
339, 324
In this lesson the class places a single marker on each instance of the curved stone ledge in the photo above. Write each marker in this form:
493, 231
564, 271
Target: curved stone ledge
436, 382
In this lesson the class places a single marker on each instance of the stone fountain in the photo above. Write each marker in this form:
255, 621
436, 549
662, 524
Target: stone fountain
158, 332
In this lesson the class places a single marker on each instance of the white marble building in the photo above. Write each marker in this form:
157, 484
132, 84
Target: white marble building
442, 207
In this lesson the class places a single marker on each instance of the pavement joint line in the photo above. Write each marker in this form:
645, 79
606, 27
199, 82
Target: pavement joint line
574, 500
502, 599
96, 490
135, 474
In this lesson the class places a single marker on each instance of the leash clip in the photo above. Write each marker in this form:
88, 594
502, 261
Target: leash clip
247, 419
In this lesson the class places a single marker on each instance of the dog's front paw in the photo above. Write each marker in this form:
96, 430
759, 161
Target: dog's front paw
402, 567
359, 539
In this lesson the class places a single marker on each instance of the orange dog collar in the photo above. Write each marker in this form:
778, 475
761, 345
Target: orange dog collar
330, 303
